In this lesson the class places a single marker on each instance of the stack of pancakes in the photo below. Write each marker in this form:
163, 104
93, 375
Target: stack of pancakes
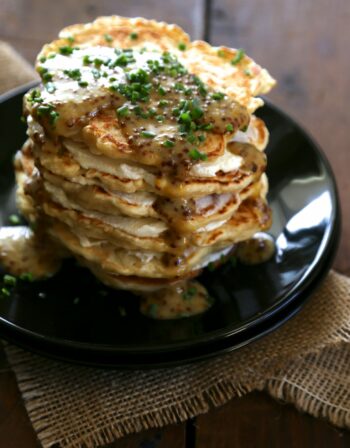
144, 159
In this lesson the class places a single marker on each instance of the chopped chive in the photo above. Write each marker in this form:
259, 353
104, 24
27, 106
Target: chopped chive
123, 111
5, 292
161, 91
66, 50
229, 127
189, 293
70, 39
168, 143
108, 37
133, 36
192, 138
14, 220
98, 62
160, 118
218, 96
53, 115
247, 72
83, 83
221, 53
196, 111
207, 127
240, 53
201, 138
42, 59
9, 280
163, 103
86, 59
185, 117
27, 277
179, 86
152, 112
148, 134
73, 74
197, 155
182, 46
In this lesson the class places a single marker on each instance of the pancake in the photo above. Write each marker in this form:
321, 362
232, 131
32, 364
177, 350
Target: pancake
144, 160
127, 262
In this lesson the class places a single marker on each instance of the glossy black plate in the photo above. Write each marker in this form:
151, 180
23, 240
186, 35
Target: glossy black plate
80, 320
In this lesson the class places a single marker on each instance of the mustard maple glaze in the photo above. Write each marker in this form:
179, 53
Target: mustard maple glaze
24, 252
182, 300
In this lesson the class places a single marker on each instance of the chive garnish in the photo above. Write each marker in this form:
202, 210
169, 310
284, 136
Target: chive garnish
14, 220
182, 46
66, 50
108, 37
189, 293
9, 280
168, 143
197, 155
229, 127
240, 53
73, 74
86, 59
123, 111
133, 36
5, 292
218, 96
27, 277
147, 134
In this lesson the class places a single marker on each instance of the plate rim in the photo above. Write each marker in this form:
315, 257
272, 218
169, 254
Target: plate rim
224, 333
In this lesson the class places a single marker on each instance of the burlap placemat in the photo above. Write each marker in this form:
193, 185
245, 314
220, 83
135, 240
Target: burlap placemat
306, 362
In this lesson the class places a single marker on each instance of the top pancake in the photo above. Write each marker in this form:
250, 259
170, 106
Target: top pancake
242, 81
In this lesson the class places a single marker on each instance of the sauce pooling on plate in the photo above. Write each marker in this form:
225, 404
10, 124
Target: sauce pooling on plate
258, 249
183, 300
21, 252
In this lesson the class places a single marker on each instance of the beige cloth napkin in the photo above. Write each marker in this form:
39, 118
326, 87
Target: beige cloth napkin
306, 362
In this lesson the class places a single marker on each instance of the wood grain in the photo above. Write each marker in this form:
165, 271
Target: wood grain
305, 46
28, 24
170, 437
256, 420
15, 428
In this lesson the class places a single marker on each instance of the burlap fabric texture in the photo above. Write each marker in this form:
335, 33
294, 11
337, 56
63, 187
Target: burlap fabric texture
306, 362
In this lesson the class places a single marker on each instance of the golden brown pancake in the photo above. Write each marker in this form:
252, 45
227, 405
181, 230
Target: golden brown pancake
144, 160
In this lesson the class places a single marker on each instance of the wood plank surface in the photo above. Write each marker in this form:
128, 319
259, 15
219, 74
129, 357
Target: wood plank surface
304, 45
256, 420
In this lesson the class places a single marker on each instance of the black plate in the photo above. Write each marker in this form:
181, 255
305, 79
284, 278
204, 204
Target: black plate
249, 301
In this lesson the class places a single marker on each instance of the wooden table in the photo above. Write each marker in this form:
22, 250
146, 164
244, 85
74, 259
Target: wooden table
305, 45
